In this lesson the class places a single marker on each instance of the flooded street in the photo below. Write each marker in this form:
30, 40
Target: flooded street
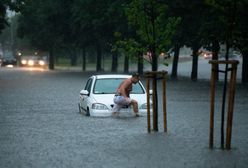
40, 126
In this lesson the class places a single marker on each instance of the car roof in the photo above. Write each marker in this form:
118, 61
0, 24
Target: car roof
112, 76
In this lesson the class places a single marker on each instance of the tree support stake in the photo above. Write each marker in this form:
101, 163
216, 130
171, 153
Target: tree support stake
154, 76
231, 94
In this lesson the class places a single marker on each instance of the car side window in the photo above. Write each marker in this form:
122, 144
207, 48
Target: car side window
88, 85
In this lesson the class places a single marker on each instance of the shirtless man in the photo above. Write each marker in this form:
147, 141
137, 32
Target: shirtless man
122, 95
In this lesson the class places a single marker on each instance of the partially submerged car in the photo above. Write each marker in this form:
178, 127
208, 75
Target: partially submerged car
96, 99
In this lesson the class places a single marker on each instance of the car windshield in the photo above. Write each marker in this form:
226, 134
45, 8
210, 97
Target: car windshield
31, 57
109, 86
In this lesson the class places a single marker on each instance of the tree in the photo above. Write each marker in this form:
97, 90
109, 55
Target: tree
241, 35
131, 49
96, 22
193, 21
212, 29
3, 21
120, 28
153, 27
4, 5
47, 26
189, 30
228, 25
176, 9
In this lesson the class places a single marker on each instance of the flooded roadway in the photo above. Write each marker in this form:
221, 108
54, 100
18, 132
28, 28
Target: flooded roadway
40, 127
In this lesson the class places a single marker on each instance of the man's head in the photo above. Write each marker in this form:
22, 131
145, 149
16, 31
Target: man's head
135, 78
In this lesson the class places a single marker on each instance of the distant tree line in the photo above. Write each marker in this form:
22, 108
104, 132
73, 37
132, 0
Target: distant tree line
133, 28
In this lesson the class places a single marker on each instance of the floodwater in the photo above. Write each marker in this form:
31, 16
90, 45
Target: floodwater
41, 126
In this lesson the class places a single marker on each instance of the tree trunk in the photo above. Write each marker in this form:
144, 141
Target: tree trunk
194, 64
51, 59
245, 67
114, 62
175, 61
140, 63
98, 58
83, 59
73, 58
215, 51
154, 60
126, 64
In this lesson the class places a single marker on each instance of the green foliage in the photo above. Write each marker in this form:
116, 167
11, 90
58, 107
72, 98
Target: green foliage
97, 20
241, 26
148, 18
130, 47
168, 32
48, 25
3, 21
153, 28
4, 5
134, 26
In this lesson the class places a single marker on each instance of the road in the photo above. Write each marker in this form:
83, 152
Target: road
204, 68
40, 127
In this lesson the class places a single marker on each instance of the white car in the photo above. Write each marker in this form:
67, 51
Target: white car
96, 99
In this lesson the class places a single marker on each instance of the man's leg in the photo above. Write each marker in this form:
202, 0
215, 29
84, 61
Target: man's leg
116, 109
134, 103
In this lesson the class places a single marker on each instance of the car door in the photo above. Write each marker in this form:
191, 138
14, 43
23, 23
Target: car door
84, 97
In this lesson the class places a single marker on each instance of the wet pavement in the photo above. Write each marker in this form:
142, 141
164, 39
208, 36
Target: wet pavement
40, 127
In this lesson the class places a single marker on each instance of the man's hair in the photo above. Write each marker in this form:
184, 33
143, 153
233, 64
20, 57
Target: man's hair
135, 75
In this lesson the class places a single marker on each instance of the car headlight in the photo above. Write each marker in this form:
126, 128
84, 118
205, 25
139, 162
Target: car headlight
41, 62
144, 106
99, 106
30, 62
24, 62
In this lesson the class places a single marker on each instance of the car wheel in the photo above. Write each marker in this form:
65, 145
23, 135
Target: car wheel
87, 112
79, 108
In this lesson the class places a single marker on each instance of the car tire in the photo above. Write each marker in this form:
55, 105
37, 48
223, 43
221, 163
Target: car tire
87, 112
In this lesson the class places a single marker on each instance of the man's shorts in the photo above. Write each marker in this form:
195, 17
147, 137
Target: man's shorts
120, 100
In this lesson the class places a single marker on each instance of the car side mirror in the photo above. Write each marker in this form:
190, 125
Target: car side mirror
84, 92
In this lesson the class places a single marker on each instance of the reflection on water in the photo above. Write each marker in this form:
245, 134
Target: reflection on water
9, 66
36, 69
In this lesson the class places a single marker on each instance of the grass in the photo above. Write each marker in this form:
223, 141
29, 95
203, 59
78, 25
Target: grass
64, 63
